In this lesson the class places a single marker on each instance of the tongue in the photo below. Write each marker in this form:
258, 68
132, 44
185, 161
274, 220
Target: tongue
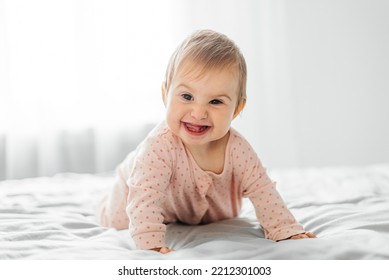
195, 128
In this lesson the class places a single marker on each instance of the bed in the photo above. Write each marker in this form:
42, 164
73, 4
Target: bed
347, 207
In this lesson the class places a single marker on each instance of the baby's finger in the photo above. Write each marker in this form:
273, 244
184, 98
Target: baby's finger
298, 236
310, 234
165, 250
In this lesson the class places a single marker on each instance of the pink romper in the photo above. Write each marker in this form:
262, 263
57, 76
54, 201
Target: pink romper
161, 183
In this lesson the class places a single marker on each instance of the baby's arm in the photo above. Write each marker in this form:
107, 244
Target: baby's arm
272, 212
150, 177
274, 216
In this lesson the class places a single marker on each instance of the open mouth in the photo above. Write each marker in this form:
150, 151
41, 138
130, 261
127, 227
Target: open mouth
194, 129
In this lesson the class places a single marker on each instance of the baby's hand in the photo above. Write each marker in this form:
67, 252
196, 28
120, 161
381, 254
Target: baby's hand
163, 250
306, 234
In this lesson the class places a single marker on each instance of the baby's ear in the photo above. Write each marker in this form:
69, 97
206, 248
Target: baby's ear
239, 108
164, 93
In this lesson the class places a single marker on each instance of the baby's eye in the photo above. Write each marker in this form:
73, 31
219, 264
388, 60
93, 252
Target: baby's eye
216, 102
187, 96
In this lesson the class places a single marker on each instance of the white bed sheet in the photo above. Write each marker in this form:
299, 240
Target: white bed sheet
348, 208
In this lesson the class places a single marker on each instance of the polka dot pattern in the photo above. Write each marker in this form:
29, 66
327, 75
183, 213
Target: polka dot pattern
160, 182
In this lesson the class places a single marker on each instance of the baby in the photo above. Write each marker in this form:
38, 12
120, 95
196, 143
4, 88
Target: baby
193, 167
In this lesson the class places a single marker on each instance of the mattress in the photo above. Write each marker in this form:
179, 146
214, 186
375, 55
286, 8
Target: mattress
347, 207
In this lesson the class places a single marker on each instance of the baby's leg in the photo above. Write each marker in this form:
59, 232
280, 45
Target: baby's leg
112, 209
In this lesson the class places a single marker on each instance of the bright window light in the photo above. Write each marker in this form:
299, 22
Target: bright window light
74, 64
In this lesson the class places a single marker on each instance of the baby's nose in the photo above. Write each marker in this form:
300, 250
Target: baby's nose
199, 113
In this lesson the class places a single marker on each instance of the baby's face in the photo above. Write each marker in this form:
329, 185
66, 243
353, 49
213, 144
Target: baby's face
200, 109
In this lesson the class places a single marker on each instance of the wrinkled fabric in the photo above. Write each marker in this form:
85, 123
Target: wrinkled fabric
348, 208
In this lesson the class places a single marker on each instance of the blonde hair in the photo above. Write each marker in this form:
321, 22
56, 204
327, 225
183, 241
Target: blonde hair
210, 50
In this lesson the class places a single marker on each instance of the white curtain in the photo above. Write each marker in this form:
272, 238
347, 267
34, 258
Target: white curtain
76, 77
80, 80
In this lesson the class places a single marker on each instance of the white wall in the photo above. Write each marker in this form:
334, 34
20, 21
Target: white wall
325, 76
339, 67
